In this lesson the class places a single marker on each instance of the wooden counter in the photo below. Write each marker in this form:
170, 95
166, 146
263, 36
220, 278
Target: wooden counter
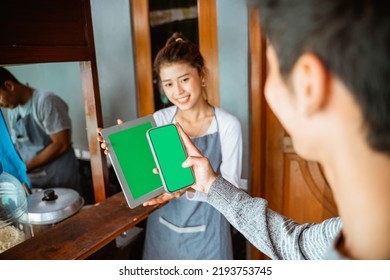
82, 234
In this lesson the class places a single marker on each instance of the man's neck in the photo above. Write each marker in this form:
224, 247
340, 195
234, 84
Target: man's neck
360, 181
26, 94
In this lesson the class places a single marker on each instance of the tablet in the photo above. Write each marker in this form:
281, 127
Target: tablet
132, 160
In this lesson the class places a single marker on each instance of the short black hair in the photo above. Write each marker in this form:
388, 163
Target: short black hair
350, 37
6, 75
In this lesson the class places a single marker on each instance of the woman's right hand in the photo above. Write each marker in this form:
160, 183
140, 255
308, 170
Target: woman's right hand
165, 197
103, 144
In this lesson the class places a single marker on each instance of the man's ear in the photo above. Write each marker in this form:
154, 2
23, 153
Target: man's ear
9, 85
310, 80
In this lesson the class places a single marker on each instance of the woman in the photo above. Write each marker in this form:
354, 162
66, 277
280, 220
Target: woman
188, 227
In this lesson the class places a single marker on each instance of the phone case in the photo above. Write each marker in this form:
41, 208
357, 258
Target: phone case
169, 154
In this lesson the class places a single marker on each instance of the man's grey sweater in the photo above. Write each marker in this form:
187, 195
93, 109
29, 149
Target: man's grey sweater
273, 234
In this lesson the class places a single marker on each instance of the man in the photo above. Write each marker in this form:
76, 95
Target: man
41, 131
329, 63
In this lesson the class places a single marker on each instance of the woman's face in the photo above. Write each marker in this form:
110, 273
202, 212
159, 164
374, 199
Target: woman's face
182, 85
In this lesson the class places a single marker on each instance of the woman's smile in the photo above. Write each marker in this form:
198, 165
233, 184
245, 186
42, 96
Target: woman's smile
183, 100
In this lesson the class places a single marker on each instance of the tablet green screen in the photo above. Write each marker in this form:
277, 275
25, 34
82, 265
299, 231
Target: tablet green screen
136, 160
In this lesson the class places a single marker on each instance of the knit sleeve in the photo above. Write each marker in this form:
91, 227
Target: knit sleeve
274, 234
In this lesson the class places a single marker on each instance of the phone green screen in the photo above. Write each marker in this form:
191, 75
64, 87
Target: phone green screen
169, 154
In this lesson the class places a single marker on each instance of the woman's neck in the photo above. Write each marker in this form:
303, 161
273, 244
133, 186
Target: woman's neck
197, 120
198, 112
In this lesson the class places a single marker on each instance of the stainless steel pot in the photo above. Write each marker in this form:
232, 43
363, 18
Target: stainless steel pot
51, 206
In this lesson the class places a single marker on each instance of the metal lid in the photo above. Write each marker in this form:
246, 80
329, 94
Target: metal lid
53, 205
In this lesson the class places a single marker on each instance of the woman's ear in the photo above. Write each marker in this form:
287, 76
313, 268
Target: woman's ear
310, 80
203, 74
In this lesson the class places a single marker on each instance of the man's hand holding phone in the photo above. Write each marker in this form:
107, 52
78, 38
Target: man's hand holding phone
201, 166
203, 171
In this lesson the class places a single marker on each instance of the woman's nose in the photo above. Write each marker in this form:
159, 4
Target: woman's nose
179, 89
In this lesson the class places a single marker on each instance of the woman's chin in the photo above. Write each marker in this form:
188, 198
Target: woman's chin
183, 105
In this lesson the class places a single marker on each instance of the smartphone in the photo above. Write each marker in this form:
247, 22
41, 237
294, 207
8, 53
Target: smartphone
169, 154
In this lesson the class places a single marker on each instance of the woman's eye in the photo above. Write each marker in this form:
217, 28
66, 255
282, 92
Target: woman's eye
167, 85
185, 80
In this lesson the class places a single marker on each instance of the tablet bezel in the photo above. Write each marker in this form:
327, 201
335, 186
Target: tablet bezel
105, 133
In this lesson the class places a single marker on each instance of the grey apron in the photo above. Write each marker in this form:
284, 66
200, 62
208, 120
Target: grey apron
185, 229
60, 173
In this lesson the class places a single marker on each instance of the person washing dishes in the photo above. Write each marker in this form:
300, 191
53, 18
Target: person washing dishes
41, 131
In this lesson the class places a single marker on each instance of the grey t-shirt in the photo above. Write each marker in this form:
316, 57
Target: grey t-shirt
48, 110
275, 235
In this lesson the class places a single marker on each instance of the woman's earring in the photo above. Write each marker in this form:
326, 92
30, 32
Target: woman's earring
203, 84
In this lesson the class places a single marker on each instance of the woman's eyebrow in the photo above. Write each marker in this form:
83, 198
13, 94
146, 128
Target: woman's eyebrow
181, 76
186, 74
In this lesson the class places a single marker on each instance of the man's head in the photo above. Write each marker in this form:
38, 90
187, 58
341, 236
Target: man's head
6, 75
349, 39
10, 90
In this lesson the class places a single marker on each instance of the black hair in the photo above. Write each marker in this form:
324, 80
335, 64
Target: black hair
6, 75
178, 49
350, 37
